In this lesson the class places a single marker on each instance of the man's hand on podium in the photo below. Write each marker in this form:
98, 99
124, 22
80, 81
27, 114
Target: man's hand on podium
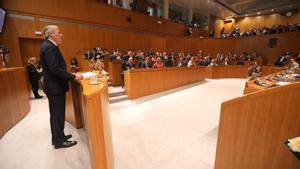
78, 77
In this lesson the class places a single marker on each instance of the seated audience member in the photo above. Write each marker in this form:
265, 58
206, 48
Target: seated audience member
74, 65
248, 57
206, 61
126, 65
130, 63
213, 63
158, 63
34, 76
146, 64
281, 61
293, 65
192, 62
226, 61
298, 57
241, 60
180, 62
254, 71
169, 62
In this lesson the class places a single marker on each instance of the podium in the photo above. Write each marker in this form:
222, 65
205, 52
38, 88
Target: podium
90, 105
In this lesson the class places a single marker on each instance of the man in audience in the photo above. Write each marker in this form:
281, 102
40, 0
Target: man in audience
146, 64
281, 61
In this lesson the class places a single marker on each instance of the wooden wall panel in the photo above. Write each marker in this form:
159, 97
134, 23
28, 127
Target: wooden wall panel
95, 12
83, 37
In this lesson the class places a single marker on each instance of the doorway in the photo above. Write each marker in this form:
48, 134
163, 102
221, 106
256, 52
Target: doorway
30, 48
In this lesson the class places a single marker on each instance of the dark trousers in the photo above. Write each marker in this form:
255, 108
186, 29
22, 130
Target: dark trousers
57, 105
35, 87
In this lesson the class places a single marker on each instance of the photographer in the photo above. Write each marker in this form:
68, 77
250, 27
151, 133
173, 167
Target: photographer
34, 76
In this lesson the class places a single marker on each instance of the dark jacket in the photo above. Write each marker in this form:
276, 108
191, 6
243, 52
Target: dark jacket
33, 74
54, 69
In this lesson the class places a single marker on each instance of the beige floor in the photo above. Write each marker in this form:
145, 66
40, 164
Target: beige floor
176, 129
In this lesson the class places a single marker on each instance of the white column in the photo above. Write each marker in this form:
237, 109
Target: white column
166, 9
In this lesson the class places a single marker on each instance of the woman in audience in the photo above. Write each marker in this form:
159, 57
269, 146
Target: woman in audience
213, 63
158, 63
192, 62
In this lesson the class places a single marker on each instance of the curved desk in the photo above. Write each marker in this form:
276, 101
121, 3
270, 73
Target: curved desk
253, 129
143, 82
14, 97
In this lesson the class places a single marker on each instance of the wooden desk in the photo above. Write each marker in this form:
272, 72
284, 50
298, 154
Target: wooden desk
254, 127
252, 87
115, 73
14, 97
143, 82
228, 72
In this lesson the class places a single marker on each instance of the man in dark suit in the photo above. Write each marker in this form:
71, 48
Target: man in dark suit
56, 85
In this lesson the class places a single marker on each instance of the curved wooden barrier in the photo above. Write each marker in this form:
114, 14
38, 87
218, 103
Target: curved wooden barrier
97, 124
253, 129
143, 82
14, 97
228, 72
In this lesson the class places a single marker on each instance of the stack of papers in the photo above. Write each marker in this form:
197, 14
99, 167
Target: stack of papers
282, 83
87, 75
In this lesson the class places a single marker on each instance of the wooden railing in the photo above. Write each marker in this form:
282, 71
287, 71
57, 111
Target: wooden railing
253, 129
14, 97
143, 82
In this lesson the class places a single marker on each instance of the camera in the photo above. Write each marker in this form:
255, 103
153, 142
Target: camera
4, 50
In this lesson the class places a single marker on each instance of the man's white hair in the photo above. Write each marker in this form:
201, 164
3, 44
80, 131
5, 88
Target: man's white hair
48, 29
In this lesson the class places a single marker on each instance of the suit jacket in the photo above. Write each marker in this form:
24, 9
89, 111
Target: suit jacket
33, 74
54, 69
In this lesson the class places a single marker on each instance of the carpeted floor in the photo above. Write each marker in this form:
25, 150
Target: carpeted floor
175, 129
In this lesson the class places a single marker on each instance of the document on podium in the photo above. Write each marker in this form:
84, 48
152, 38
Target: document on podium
88, 75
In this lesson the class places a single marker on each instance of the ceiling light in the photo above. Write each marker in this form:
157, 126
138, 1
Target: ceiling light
272, 10
258, 13
246, 14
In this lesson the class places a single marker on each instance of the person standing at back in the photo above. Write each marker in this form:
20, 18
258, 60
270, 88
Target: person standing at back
34, 76
56, 84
